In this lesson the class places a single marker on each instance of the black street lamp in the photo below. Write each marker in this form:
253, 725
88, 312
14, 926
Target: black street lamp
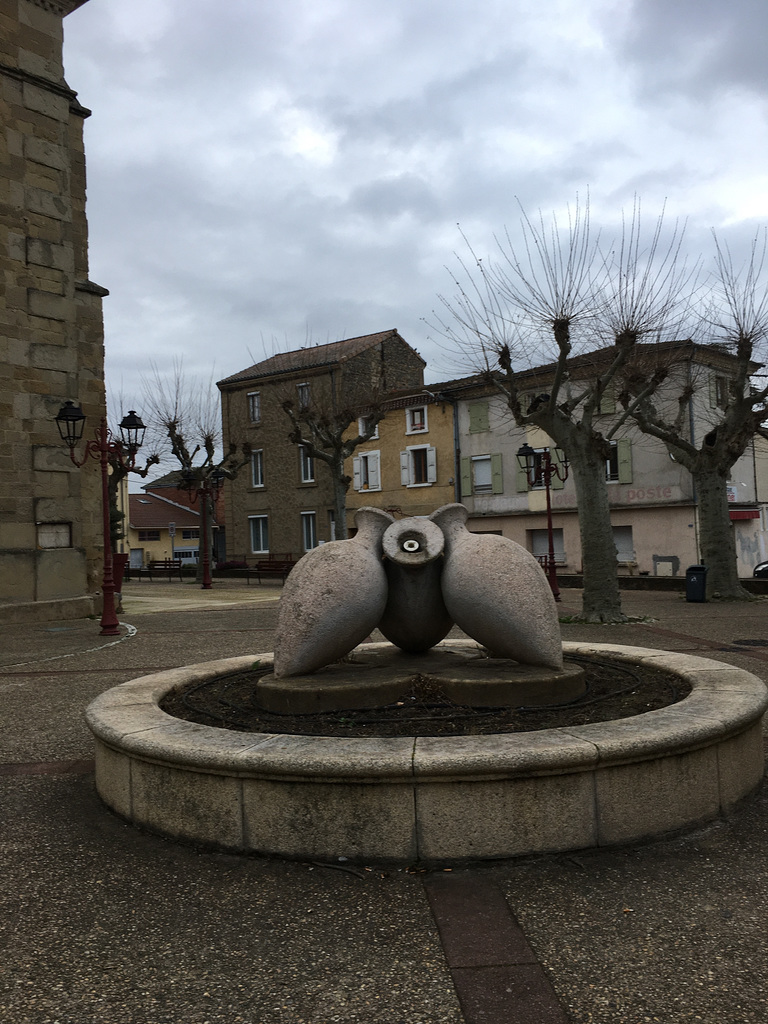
71, 423
540, 468
206, 485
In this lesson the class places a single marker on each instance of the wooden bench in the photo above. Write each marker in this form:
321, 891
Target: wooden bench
162, 567
270, 567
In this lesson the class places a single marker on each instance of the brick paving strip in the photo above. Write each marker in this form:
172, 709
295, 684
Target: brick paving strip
497, 976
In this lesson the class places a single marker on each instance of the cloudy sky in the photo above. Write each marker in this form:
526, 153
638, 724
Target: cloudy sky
266, 175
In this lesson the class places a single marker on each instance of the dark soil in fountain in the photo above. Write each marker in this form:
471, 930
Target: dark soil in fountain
613, 691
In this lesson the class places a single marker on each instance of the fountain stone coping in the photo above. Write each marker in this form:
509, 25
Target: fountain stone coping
433, 799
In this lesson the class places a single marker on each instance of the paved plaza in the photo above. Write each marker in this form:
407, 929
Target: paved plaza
103, 924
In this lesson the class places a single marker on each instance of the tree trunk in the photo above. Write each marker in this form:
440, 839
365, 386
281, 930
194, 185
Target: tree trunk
716, 535
601, 599
340, 488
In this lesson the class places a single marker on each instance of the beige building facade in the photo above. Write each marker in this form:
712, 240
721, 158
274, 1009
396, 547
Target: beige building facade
652, 498
409, 466
51, 330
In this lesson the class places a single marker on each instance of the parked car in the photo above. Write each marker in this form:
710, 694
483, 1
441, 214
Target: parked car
761, 570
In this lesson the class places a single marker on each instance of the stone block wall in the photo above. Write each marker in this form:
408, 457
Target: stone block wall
51, 329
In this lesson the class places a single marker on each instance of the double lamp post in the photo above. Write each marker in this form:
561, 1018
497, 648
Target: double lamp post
105, 447
540, 468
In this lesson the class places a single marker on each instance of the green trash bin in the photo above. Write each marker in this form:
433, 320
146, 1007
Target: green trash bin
696, 583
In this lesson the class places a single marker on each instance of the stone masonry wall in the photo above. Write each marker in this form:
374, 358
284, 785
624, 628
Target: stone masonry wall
51, 331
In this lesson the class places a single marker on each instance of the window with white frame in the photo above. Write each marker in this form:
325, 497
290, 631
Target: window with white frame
190, 534
254, 406
367, 471
309, 530
418, 466
259, 526
362, 425
257, 468
303, 394
306, 464
416, 420
481, 474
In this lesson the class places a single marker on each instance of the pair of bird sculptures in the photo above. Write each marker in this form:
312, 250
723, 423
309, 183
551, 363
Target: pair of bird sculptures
414, 579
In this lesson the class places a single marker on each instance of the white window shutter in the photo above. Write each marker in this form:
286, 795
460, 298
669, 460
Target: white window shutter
374, 479
432, 465
405, 476
356, 472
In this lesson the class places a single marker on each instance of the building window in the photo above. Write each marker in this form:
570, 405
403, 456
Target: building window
303, 393
618, 465
622, 538
259, 534
416, 420
257, 468
367, 474
481, 474
478, 418
147, 535
254, 406
54, 535
362, 426
718, 391
418, 466
190, 534
538, 541
309, 530
307, 465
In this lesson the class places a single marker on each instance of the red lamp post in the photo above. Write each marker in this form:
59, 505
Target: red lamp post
540, 468
206, 485
71, 422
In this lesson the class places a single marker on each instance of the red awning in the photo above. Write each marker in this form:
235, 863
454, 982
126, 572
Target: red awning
744, 513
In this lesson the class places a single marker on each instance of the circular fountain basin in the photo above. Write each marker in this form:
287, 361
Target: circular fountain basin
433, 799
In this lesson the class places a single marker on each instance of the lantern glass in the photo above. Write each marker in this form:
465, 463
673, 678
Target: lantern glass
132, 431
71, 423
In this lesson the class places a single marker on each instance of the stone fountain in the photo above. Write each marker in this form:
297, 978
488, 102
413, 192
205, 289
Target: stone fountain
429, 799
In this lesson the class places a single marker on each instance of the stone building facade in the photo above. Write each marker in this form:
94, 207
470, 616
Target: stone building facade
51, 330
283, 504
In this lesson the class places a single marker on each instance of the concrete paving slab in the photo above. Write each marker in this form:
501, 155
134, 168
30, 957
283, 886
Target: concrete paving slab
100, 922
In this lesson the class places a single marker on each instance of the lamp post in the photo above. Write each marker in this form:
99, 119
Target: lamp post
540, 467
71, 423
208, 487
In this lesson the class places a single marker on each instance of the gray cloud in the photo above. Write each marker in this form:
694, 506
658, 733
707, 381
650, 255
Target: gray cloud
261, 174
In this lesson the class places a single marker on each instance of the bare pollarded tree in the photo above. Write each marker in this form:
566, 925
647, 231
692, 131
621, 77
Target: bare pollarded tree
186, 413
556, 291
738, 325
331, 425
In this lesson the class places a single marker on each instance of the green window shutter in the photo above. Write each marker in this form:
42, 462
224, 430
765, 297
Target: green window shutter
497, 480
557, 484
608, 402
521, 479
478, 417
624, 448
466, 477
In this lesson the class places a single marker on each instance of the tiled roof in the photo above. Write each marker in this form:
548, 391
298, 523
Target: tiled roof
149, 511
312, 356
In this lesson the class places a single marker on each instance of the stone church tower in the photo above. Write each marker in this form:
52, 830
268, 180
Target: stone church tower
51, 328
